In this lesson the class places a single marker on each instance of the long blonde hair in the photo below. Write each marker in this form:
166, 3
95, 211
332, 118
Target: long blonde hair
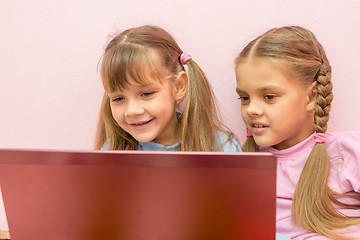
304, 57
129, 53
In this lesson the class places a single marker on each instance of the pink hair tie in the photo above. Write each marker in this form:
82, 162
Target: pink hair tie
184, 58
319, 138
248, 133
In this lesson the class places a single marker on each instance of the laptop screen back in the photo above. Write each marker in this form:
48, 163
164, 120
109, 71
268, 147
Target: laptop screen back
138, 195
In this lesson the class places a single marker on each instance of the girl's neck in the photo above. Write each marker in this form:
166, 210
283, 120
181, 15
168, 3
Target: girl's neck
288, 144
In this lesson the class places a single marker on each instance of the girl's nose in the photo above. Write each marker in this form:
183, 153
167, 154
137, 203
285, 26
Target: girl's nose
133, 108
254, 109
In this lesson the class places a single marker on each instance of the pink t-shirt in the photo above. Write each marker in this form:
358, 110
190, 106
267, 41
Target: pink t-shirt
344, 152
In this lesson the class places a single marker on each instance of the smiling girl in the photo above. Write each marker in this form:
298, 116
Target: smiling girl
145, 80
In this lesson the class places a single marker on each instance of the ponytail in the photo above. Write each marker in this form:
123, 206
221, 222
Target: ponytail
199, 121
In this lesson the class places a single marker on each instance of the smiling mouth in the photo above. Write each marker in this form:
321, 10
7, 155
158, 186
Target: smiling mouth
140, 123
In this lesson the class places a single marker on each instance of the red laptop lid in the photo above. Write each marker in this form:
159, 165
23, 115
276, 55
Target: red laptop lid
138, 195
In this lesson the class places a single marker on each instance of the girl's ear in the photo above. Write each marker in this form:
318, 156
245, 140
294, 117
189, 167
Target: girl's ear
181, 85
311, 96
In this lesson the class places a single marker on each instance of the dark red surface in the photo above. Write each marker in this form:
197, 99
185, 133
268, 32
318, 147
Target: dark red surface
138, 195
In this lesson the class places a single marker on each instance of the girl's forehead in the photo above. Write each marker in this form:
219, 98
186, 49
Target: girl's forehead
255, 69
263, 75
264, 66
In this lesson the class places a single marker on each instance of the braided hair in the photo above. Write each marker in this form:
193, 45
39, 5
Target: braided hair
299, 50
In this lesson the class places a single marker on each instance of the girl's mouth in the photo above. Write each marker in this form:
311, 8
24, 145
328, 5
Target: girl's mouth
259, 128
141, 125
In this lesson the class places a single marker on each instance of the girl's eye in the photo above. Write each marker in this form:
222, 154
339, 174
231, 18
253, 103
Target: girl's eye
147, 94
244, 99
117, 99
269, 97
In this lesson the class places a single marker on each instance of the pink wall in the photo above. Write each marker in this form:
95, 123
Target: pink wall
50, 89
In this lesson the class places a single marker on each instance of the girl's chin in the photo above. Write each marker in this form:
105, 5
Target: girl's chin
259, 140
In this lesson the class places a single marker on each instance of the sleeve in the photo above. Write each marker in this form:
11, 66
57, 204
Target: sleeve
226, 144
350, 150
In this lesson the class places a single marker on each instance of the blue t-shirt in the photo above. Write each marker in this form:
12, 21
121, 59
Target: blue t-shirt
230, 146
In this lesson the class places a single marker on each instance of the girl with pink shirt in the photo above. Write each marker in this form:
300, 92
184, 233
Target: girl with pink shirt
284, 84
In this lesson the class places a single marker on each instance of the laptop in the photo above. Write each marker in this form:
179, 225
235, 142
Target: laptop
138, 195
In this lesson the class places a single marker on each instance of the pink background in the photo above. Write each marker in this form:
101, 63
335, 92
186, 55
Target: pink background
50, 88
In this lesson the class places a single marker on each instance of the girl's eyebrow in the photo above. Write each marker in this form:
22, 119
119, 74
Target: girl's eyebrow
140, 87
137, 86
271, 88
116, 92
239, 91
263, 89
144, 85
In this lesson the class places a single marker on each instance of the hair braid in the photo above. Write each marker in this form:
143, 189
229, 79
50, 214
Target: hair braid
323, 102
324, 90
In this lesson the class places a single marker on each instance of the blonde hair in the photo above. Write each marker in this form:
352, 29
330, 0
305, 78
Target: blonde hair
304, 57
131, 53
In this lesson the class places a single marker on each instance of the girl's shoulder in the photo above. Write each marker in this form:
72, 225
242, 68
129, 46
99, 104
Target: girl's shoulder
343, 150
350, 138
344, 147
342, 142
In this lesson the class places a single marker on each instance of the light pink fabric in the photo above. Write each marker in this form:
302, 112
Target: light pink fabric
344, 152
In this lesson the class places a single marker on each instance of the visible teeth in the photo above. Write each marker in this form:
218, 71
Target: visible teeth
258, 126
141, 123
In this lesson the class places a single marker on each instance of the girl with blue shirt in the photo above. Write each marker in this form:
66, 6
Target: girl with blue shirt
144, 77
